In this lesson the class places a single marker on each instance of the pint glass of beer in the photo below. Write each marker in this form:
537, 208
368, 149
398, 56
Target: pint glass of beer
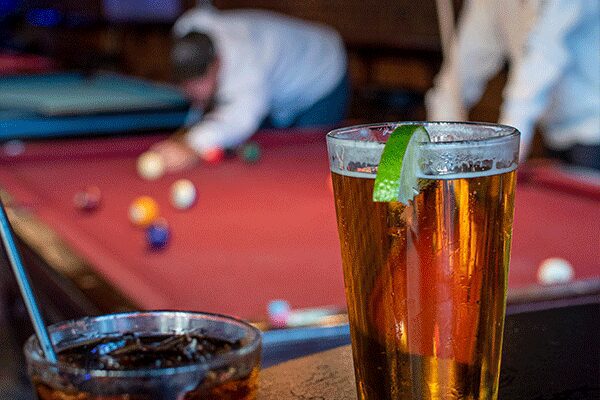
426, 281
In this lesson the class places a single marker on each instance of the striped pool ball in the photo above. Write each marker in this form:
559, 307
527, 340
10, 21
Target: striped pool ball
143, 211
87, 199
183, 194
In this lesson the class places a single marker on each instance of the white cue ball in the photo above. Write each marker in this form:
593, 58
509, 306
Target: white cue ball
150, 165
183, 194
554, 271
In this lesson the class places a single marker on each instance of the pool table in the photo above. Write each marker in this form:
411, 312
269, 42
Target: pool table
258, 231
75, 104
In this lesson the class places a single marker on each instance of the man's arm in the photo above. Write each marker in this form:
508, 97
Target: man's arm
477, 53
232, 121
533, 77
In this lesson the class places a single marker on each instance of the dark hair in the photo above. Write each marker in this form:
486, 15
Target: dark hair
191, 55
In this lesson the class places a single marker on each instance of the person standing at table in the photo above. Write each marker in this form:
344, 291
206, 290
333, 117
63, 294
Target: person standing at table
553, 51
253, 69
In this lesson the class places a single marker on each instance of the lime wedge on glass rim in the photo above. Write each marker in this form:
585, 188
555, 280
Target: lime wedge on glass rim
397, 171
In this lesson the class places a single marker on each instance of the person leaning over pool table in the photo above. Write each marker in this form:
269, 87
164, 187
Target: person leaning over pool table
253, 69
553, 50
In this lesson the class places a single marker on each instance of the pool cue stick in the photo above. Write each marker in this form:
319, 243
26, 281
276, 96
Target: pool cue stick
445, 12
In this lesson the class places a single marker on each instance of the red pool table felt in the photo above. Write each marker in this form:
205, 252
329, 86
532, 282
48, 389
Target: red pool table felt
258, 231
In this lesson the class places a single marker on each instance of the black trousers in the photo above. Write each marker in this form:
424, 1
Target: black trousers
587, 156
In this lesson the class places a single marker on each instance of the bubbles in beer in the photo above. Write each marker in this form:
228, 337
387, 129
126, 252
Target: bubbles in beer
425, 285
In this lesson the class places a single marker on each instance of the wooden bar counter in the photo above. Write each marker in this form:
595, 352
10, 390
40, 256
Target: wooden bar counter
547, 354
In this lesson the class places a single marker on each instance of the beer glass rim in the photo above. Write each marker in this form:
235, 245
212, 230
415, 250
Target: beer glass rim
34, 355
505, 133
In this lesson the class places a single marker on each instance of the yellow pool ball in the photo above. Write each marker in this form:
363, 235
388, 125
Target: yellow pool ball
143, 211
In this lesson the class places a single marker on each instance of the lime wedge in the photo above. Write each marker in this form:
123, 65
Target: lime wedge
397, 172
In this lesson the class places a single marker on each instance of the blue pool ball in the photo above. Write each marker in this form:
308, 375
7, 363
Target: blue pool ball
157, 235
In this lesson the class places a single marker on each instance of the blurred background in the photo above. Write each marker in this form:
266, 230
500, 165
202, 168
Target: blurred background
394, 47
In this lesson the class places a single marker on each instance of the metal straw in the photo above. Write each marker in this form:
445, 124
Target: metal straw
25, 286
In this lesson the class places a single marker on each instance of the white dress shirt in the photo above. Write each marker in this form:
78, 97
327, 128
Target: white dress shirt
553, 50
271, 65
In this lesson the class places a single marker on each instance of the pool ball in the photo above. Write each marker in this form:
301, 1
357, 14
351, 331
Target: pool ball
143, 211
150, 165
554, 271
183, 194
250, 152
87, 199
213, 156
157, 234
279, 312
14, 148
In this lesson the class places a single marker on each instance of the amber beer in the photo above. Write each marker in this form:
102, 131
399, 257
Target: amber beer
426, 282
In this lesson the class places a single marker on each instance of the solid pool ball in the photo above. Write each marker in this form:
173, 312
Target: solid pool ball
157, 234
183, 194
88, 199
213, 156
554, 271
250, 152
150, 165
143, 211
